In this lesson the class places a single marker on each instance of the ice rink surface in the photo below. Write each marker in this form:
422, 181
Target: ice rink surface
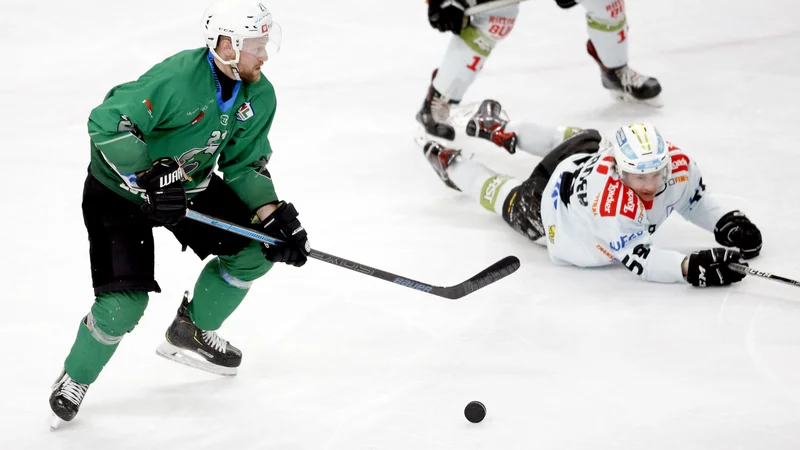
563, 358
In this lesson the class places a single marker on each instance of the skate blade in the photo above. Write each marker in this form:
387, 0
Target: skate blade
421, 141
188, 358
423, 136
55, 422
655, 102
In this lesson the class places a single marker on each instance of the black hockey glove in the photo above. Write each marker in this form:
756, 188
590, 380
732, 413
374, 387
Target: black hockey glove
166, 199
735, 230
447, 15
283, 224
710, 267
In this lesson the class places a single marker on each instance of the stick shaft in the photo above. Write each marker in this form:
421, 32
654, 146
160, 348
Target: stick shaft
746, 270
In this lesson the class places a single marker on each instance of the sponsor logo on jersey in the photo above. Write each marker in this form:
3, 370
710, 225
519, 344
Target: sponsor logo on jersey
631, 205
149, 107
551, 233
678, 179
245, 112
680, 163
500, 26
197, 119
223, 119
616, 8
609, 198
624, 240
490, 190
606, 252
594, 204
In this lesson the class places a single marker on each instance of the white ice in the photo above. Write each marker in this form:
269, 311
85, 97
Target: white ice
563, 358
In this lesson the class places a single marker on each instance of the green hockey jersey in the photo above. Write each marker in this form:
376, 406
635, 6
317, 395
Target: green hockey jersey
176, 110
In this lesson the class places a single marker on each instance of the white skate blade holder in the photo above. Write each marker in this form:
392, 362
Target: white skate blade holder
191, 359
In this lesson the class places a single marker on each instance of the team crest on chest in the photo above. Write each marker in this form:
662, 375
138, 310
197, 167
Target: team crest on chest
245, 112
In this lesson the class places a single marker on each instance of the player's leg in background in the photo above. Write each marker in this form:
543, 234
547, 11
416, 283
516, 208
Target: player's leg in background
517, 202
463, 61
492, 190
492, 123
122, 263
608, 30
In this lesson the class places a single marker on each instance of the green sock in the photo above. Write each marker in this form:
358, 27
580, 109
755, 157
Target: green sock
87, 357
223, 284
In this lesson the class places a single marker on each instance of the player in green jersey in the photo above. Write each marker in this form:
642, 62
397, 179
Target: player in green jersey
154, 145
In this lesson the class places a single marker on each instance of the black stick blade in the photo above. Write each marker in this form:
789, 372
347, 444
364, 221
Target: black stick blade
485, 277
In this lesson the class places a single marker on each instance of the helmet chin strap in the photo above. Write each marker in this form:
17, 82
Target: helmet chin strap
233, 64
235, 70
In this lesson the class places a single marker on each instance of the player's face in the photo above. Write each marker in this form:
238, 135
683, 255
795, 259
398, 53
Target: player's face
250, 66
646, 186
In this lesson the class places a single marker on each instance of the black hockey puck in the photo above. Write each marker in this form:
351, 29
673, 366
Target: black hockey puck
475, 412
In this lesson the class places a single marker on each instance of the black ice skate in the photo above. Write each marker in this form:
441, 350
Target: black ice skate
488, 123
66, 399
434, 113
628, 84
191, 346
441, 158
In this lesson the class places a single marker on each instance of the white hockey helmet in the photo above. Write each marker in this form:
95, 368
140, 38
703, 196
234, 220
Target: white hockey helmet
248, 23
640, 149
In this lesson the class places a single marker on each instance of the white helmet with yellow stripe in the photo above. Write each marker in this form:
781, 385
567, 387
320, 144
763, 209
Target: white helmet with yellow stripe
640, 149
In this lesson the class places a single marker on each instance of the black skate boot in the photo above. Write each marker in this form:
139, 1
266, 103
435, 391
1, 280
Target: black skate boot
628, 84
66, 398
434, 113
487, 123
191, 346
441, 158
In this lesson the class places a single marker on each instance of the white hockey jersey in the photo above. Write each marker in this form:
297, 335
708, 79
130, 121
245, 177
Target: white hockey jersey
591, 218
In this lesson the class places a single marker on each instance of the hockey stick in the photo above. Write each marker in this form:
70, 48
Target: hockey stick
489, 6
745, 270
487, 276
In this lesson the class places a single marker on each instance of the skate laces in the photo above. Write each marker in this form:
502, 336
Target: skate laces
73, 391
629, 77
216, 342
440, 108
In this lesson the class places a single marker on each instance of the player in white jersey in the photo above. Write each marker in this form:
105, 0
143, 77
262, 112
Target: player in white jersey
594, 204
475, 38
